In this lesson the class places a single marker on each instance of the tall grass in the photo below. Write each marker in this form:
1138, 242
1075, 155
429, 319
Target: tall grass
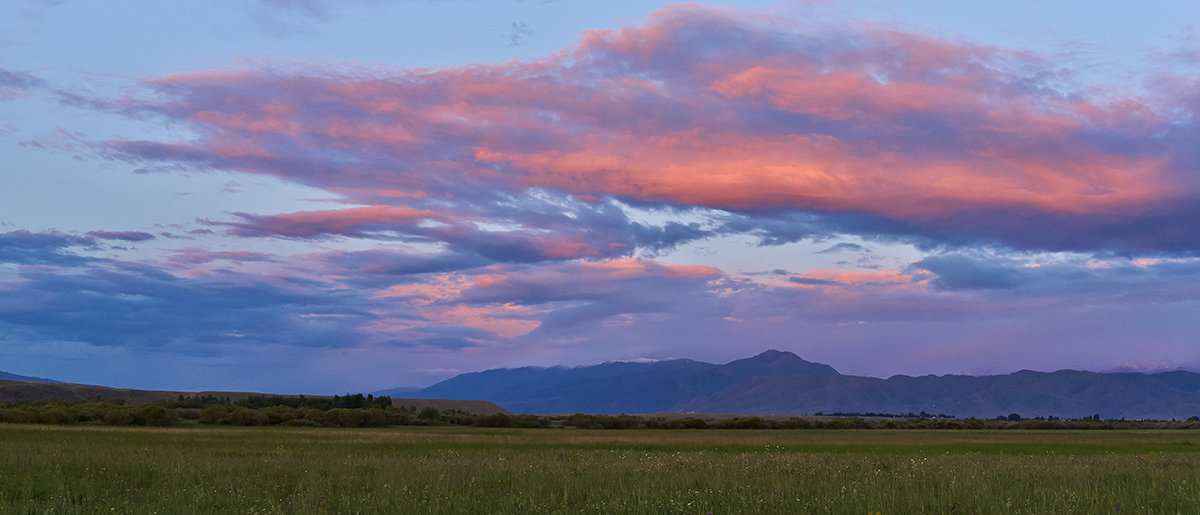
469, 470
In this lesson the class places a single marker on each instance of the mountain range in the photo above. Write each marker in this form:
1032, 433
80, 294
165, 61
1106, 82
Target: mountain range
615, 387
782, 383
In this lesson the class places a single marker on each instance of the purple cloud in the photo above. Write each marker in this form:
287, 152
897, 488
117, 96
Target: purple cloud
14, 84
142, 307
878, 132
24, 247
121, 235
510, 211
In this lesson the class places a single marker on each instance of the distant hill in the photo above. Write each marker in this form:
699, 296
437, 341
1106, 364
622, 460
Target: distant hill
21, 391
402, 391
15, 377
1065, 393
782, 383
616, 387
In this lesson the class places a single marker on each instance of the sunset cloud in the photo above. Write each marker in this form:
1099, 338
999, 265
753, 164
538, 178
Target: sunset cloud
15, 83
357, 221
706, 183
916, 136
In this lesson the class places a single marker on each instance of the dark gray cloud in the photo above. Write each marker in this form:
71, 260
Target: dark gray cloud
142, 307
959, 272
520, 32
47, 248
121, 235
845, 247
507, 230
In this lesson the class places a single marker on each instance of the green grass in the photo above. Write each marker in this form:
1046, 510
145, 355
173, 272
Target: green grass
465, 470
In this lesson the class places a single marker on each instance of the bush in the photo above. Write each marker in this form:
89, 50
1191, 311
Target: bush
430, 415
743, 423
280, 414
56, 415
120, 416
658, 423
344, 417
494, 420
529, 421
156, 415
246, 417
189, 413
214, 414
374, 417
793, 423
316, 416
398, 416
847, 423
22, 415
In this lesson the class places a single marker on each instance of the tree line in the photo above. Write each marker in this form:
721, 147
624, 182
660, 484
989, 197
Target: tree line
257, 410
368, 411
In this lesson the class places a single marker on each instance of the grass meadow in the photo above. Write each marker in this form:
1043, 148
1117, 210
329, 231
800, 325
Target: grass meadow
78, 469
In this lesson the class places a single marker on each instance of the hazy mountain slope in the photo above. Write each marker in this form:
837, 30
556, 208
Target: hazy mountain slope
23, 391
402, 391
14, 377
1065, 393
618, 387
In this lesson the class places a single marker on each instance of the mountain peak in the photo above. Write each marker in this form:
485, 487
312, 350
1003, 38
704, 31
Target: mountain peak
770, 353
616, 387
773, 354
776, 362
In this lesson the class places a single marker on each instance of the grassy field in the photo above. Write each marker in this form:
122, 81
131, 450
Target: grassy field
467, 470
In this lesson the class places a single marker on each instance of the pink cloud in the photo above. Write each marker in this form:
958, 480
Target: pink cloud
346, 222
629, 268
196, 256
851, 284
709, 108
504, 320
511, 301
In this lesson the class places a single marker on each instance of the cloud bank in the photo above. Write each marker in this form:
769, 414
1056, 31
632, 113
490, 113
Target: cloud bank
536, 211
868, 130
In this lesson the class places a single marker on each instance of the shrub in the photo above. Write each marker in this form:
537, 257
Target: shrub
22, 415
156, 415
494, 420
124, 416
214, 414
189, 413
56, 415
658, 423
312, 414
743, 423
398, 416
374, 417
846, 423
344, 417
793, 423
430, 415
280, 414
529, 421
246, 417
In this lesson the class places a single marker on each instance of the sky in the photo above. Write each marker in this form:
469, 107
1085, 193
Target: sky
318, 196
